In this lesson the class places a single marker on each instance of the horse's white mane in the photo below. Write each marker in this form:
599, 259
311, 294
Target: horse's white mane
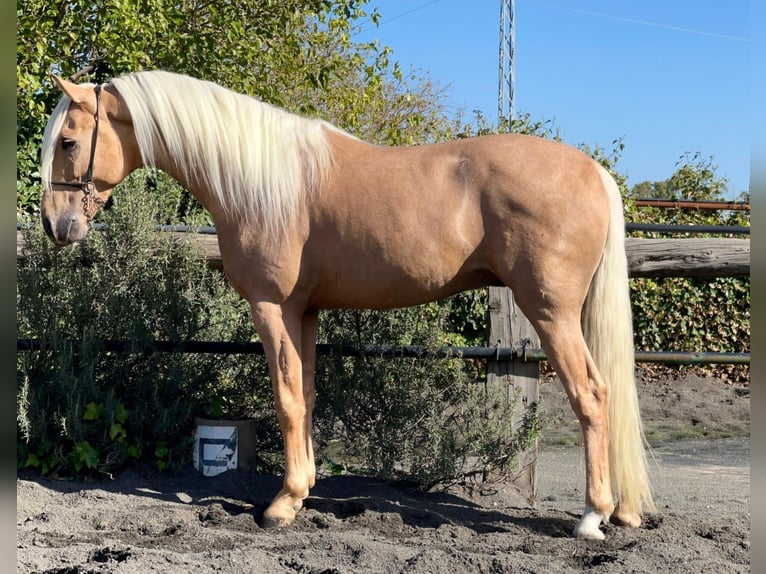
254, 158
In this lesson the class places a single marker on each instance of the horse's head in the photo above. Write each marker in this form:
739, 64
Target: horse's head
88, 148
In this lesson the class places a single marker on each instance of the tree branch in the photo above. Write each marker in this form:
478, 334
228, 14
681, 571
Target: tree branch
91, 67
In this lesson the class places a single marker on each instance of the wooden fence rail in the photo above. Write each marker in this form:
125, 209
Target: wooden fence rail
688, 257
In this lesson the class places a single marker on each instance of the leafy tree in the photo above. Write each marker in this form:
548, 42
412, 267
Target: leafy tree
650, 190
297, 54
96, 40
695, 178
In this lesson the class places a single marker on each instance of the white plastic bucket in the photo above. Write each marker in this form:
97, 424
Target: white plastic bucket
216, 447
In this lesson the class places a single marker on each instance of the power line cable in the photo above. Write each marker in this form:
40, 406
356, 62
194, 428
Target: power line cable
402, 15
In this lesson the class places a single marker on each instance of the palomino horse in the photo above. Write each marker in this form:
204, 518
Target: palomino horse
311, 218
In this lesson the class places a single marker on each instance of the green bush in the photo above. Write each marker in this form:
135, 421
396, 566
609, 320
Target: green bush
82, 407
420, 419
692, 314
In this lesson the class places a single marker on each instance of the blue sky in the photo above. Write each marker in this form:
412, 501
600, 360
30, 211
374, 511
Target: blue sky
670, 76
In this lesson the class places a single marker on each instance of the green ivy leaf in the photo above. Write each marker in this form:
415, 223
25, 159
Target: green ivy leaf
84, 455
161, 449
93, 412
117, 432
120, 413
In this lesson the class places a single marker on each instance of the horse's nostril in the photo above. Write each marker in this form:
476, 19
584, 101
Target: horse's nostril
47, 227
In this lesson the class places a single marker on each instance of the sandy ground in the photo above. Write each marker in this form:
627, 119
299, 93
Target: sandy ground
185, 523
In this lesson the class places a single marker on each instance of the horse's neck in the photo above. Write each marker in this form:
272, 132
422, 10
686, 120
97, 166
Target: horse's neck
193, 182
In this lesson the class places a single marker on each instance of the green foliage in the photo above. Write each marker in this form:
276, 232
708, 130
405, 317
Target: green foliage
422, 420
691, 314
694, 178
174, 205
229, 41
297, 54
522, 123
83, 408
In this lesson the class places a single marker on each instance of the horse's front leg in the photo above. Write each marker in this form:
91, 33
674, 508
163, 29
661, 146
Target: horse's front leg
280, 332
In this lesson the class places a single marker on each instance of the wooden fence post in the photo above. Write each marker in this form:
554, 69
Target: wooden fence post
508, 327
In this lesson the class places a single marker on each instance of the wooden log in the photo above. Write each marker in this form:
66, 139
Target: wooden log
207, 243
687, 257
513, 386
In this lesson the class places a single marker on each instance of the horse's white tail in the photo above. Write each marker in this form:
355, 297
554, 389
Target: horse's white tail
608, 329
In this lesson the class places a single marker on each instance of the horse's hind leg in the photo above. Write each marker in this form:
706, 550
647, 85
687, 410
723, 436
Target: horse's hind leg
564, 345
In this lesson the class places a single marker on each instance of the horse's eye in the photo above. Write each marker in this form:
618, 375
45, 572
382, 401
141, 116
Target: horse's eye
68, 144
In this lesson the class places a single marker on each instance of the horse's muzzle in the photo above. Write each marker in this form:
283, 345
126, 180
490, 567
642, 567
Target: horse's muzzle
65, 229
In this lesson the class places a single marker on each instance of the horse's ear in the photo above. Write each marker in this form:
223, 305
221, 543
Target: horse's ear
78, 94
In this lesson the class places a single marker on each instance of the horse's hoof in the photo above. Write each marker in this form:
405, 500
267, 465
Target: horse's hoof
631, 519
272, 522
588, 527
592, 533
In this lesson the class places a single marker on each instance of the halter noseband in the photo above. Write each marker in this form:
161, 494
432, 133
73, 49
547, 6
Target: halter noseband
88, 186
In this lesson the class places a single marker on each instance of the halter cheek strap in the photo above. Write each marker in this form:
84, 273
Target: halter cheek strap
90, 200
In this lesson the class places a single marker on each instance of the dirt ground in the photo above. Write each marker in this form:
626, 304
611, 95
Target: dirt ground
186, 523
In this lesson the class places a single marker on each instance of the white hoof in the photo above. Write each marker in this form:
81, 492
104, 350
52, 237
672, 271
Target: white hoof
588, 526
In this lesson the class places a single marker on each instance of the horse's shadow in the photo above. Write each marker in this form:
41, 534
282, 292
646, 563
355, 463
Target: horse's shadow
342, 498
345, 497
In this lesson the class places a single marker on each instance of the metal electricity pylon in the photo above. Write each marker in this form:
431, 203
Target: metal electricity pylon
506, 79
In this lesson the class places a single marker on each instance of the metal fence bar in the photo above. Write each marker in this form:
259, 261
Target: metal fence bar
394, 351
693, 204
662, 228
692, 358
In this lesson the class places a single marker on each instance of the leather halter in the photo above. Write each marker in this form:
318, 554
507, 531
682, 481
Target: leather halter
87, 185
